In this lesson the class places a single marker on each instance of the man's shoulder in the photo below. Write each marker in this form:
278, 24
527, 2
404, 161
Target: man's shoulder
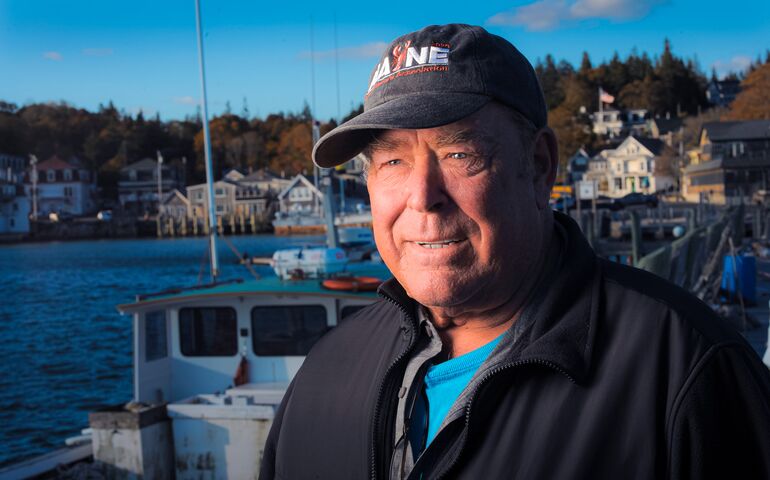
380, 321
661, 304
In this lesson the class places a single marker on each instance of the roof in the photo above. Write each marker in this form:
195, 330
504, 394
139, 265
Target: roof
666, 125
738, 130
260, 175
54, 163
143, 164
263, 286
301, 179
175, 194
654, 145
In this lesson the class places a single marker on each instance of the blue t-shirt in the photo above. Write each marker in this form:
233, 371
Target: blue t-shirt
445, 382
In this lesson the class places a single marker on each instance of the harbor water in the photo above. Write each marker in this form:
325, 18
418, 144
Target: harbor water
65, 349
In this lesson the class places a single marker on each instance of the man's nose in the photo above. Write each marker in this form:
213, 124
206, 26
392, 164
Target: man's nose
426, 187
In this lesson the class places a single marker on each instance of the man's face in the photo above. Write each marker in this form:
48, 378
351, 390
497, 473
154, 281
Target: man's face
457, 210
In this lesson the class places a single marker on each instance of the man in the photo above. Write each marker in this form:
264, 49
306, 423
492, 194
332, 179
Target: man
503, 347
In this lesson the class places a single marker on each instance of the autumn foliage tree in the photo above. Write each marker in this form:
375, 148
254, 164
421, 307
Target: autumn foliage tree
753, 103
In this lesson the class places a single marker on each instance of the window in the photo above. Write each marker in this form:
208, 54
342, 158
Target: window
67, 191
199, 195
208, 332
68, 175
155, 339
618, 183
220, 208
287, 330
50, 175
219, 192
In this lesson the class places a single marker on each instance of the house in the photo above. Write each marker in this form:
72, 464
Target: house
301, 197
138, 184
617, 123
61, 187
731, 162
239, 194
721, 93
14, 203
577, 166
175, 205
667, 129
638, 164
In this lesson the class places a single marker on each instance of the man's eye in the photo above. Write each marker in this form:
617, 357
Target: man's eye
391, 163
458, 155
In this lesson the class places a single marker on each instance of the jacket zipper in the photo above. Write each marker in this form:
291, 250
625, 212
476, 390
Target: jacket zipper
381, 391
490, 374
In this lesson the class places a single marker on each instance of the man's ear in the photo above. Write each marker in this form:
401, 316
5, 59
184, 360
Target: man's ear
546, 153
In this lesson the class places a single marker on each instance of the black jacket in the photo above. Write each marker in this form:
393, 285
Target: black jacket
622, 375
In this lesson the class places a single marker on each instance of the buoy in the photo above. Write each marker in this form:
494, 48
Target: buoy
354, 284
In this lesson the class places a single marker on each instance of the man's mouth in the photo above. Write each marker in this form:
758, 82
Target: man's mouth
439, 244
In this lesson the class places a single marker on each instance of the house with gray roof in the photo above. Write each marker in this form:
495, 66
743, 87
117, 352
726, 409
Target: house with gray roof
731, 162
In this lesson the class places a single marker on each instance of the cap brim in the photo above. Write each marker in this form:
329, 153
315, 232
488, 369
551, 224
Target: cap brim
421, 110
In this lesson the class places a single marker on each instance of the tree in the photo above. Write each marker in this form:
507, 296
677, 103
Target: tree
753, 103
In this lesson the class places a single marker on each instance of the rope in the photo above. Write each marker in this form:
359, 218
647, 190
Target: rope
240, 257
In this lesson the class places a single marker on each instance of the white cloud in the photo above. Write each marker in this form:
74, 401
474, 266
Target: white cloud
368, 50
188, 100
55, 56
97, 52
550, 14
737, 64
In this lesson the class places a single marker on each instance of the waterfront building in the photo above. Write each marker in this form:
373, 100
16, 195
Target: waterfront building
239, 194
138, 185
14, 204
63, 187
731, 163
638, 164
175, 205
301, 197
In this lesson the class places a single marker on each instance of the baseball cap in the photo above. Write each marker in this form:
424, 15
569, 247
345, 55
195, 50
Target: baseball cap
432, 77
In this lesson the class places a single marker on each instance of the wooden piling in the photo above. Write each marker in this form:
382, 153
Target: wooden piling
636, 237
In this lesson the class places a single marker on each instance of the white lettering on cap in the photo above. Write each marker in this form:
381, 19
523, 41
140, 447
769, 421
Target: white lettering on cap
438, 55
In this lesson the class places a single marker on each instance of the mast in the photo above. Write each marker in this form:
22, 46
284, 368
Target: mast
207, 152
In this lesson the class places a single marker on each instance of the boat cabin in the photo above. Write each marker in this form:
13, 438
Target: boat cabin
195, 341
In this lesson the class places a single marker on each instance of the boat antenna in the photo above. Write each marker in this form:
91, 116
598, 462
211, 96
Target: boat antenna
337, 69
207, 152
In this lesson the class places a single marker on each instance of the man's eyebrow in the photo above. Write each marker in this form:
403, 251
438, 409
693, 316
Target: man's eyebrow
454, 137
382, 143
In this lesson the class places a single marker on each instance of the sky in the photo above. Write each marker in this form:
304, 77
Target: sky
142, 55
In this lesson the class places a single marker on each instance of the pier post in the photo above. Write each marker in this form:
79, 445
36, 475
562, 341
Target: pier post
183, 229
636, 237
253, 221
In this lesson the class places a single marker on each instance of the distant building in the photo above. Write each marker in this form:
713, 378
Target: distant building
175, 205
301, 197
138, 185
239, 194
634, 166
14, 204
577, 166
731, 162
62, 187
618, 123
667, 129
721, 93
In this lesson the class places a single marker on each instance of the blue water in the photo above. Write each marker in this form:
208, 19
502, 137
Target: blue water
64, 348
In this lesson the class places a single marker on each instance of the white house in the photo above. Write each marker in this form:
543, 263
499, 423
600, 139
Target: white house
301, 197
616, 123
631, 167
14, 204
175, 205
138, 184
62, 187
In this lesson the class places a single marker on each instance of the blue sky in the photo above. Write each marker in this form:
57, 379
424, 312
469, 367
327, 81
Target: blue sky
142, 54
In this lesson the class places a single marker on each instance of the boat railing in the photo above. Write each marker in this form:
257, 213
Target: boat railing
176, 290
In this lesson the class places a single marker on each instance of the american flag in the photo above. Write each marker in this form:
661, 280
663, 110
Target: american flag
605, 97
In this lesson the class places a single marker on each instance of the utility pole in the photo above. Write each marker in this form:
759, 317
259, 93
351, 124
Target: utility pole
158, 226
33, 162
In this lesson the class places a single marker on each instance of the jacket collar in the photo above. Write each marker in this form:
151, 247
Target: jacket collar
564, 312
